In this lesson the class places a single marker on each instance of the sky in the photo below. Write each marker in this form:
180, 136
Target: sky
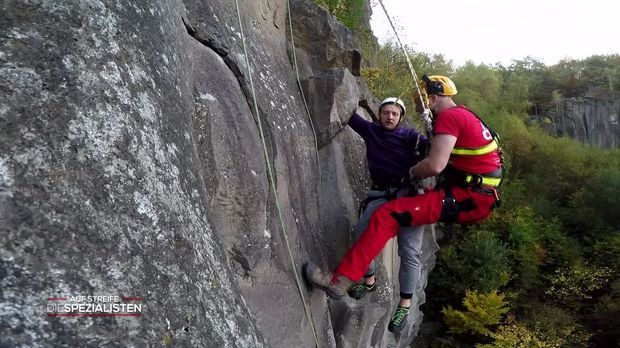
498, 31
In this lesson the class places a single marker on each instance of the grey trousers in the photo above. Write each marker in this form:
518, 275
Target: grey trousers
409, 244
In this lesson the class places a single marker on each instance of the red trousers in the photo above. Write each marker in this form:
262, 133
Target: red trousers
424, 209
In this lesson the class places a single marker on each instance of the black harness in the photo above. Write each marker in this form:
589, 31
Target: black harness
451, 177
391, 192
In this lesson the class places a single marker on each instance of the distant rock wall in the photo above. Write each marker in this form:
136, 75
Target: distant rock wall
132, 164
589, 120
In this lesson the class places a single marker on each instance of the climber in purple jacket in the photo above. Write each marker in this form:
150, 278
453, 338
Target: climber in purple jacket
391, 149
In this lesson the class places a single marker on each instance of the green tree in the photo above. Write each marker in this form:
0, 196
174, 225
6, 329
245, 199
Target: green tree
479, 87
387, 73
601, 193
482, 311
515, 94
479, 262
560, 208
527, 251
515, 336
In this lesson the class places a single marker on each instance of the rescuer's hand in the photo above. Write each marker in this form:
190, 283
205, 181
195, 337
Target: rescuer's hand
428, 120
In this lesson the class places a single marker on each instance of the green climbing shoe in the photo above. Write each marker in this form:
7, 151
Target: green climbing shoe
359, 290
399, 319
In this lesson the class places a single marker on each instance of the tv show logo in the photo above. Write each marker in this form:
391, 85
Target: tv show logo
94, 306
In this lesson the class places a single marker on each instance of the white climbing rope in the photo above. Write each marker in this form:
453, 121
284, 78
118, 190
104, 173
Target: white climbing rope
307, 311
411, 69
301, 90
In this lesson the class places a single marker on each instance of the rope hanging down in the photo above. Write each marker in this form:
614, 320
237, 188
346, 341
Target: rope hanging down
301, 91
272, 180
425, 116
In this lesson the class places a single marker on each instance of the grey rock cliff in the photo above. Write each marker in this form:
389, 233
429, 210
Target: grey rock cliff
594, 121
132, 164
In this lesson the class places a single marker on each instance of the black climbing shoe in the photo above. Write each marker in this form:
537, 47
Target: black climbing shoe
399, 319
359, 290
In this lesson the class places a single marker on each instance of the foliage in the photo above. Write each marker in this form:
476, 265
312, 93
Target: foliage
515, 336
389, 76
596, 76
387, 73
482, 311
611, 301
532, 243
573, 285
516, 140
348, 12
606, 316
527, 252
479, 262
479, 87
557, 225
606, 252
557, 325
601, 193
559, 167
514, 95
561, 249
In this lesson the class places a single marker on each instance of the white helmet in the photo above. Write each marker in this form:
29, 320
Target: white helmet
394, 100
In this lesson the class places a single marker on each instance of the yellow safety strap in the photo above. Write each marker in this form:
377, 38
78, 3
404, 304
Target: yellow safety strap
488, 148
486, 180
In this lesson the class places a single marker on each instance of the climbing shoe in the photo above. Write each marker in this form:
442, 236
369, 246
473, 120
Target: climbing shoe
333, 284
399, 319
359, 290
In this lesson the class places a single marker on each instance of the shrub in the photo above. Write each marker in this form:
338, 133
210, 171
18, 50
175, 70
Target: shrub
605, 319
573, 285
479, 262
602, 194
482, 311
558, 326
562, 250
526, 252
606, 251
520, 229
515, 336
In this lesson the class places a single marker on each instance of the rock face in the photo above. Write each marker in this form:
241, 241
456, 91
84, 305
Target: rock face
133, 146
592, 121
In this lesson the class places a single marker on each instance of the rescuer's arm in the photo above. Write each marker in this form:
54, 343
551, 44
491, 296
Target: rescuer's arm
437, 158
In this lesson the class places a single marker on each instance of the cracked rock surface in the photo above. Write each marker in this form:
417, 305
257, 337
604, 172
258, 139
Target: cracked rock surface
132, 163
594, 121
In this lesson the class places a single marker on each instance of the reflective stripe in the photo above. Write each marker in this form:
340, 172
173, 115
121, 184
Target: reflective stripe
463, 151
486, 180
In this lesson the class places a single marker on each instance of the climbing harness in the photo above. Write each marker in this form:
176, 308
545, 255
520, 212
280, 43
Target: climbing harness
270, 175
386, 192
450, 207
485, 149
487, 183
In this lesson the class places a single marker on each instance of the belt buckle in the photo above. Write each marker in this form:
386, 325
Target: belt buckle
476, 180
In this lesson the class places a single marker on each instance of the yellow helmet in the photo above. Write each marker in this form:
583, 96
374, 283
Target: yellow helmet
438, 84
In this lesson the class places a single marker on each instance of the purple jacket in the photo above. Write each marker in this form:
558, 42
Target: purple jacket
390, 154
